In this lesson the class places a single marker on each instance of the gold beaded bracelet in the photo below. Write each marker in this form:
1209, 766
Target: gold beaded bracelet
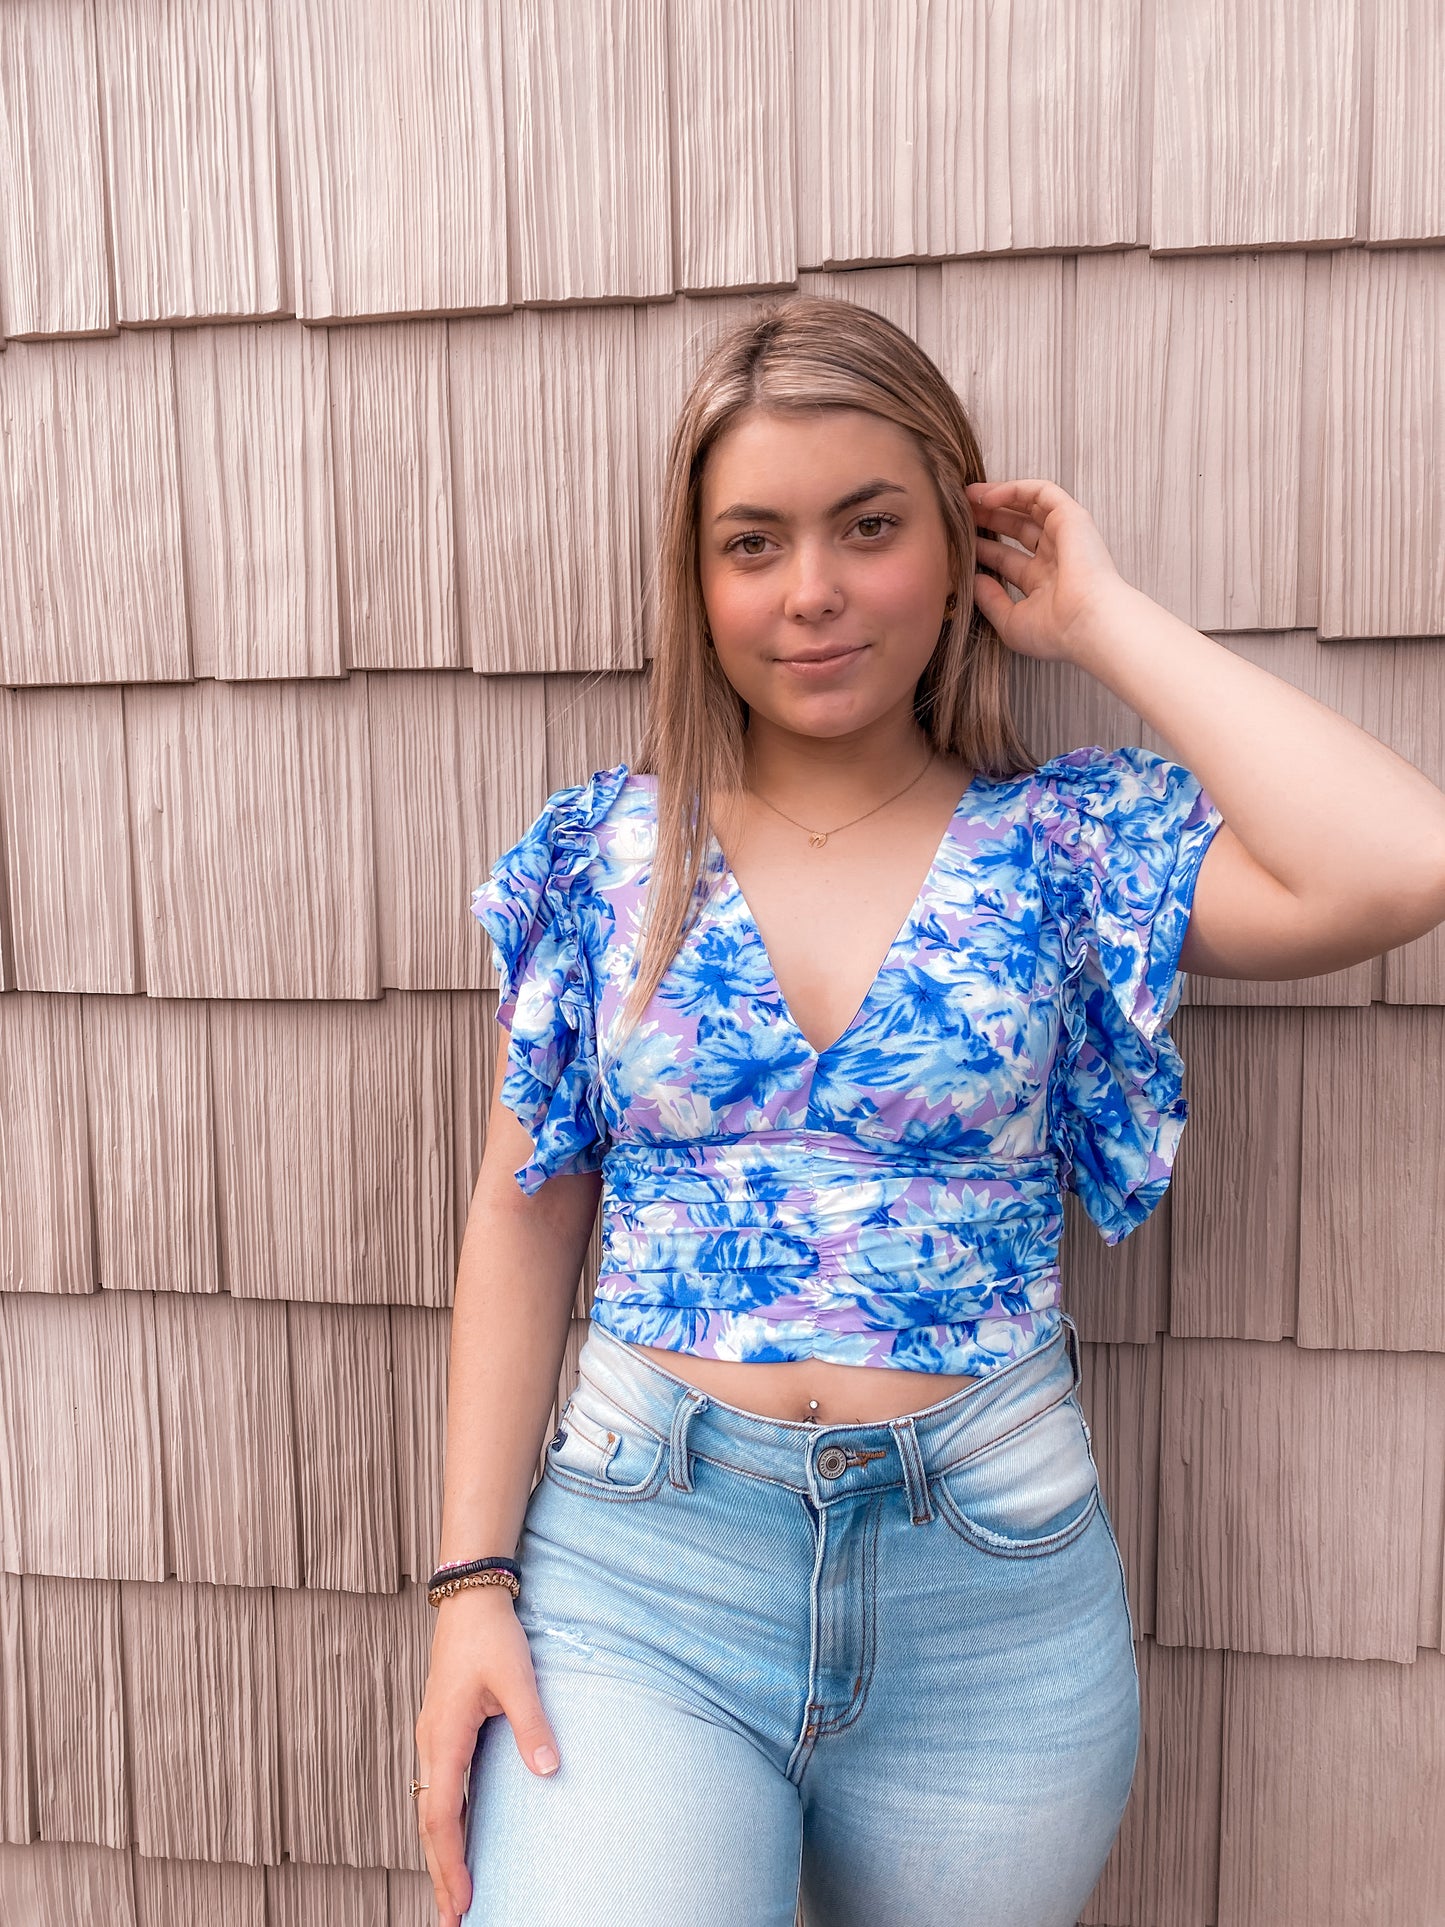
495, 1576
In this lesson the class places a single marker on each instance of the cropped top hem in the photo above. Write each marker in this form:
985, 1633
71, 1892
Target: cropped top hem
972, 1349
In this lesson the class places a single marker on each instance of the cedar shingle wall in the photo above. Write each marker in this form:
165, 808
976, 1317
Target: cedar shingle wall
339, 343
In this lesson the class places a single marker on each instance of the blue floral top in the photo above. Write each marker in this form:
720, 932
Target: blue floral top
896, 1199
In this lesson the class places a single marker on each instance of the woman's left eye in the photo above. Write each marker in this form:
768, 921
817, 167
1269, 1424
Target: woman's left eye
884, 521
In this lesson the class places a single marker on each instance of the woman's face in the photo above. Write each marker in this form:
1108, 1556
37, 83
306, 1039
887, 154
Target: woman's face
824, 566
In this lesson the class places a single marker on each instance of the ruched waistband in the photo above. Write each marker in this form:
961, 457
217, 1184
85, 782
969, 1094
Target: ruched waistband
817, 1205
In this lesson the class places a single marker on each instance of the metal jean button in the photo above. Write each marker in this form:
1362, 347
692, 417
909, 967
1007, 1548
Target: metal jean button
832, 1461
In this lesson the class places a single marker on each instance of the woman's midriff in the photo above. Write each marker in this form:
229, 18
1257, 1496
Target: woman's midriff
845, 1394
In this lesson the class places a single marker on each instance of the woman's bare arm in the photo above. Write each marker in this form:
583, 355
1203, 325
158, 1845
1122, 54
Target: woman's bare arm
516, 1283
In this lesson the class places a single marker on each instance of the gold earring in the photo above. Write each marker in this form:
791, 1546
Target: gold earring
951, 604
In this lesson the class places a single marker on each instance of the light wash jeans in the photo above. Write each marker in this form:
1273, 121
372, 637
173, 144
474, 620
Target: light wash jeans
887, 1669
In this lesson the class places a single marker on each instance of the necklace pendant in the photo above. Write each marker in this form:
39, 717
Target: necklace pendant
818, 839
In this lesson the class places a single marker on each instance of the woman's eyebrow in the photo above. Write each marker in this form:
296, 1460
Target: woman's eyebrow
746, 512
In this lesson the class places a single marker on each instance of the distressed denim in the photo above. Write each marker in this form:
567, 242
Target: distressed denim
883, 1670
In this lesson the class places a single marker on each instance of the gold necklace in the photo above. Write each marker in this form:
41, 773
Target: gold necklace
819, 837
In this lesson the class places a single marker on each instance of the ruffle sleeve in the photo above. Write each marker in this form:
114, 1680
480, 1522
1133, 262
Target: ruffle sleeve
1119, 836
534, 906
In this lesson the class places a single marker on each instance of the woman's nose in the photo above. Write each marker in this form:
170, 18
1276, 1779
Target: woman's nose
813, 590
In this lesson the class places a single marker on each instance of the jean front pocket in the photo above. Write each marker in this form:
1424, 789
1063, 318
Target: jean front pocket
1031, 1492
601, 1449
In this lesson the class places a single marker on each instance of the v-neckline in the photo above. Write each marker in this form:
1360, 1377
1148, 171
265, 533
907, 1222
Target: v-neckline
784, 1007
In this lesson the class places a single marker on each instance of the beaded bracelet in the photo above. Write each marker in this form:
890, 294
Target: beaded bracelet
491, 1576
468, 1565
460, 1573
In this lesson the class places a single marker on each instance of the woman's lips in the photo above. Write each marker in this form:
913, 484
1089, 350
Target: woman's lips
818, 668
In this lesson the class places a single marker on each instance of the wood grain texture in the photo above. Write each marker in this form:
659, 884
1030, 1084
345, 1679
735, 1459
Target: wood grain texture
234, 1431
201, 1671
1187, 389
390, 410
1235, 1245
1405, 707
252, 838
1407, 147
1290, 1499
47, 1229
345, 1446
302, 1896
1164, 1866
256, 491
85, 1499
732, 143
174, 1893
55, 1880
390, 131
351, 1673
411, 1900
1372, 1181
1432, 1529
90, 525
1333, 1785
1120, 1394
458, 772
593, 722
943, 129
1117, 1294
17, 1802
188, 121
1001, 349
544, 441
420, 1353
66, 856
150, 1124
1256, 125
55, 275
889, 291
74, 1684
332, 1157
1058, 707
590, 199
1382, 568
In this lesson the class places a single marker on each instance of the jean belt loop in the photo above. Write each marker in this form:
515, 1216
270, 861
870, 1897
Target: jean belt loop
679, 1468
915, 1471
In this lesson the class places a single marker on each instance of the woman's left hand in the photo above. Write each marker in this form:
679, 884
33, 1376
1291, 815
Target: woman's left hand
1066, 573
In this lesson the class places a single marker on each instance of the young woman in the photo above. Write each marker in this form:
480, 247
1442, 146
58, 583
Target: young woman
826, 999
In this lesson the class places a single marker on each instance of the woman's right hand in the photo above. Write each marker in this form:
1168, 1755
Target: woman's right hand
481, 1665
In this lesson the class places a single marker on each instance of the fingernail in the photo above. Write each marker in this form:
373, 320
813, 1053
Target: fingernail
545, 1760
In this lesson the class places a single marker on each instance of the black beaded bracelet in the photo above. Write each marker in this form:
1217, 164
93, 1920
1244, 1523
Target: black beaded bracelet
475, 1565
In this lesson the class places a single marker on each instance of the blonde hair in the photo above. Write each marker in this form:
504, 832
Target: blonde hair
803, 353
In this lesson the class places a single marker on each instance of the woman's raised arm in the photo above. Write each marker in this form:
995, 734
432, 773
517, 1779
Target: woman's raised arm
1332, 848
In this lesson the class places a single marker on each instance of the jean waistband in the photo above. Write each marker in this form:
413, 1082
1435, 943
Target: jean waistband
829, 1461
